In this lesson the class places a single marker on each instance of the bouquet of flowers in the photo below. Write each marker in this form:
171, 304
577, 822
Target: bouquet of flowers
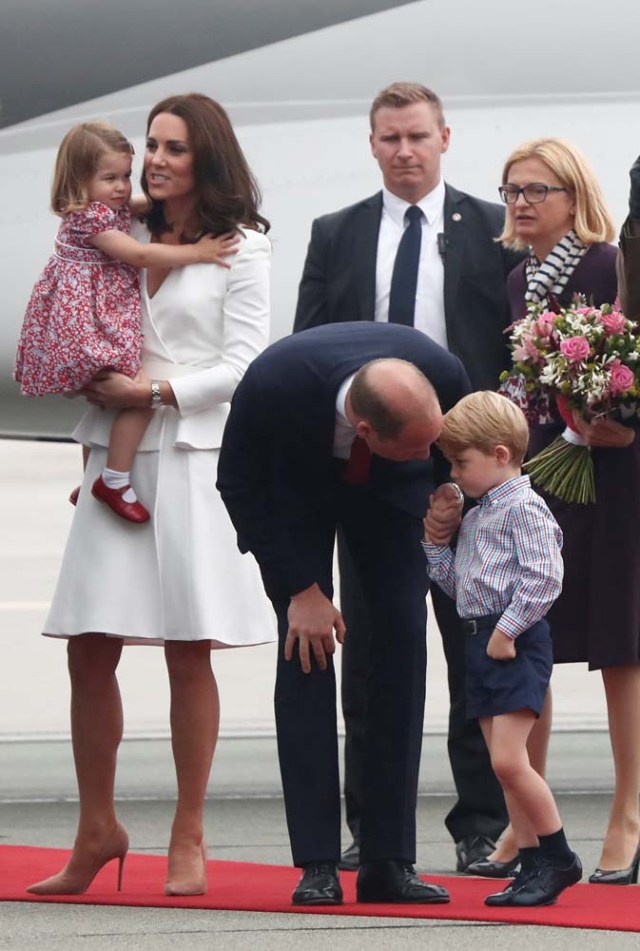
580, 359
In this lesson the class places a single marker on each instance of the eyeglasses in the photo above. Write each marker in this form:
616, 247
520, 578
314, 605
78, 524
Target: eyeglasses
533, 193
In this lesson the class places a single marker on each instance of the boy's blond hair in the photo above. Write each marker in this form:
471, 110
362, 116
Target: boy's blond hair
483, 421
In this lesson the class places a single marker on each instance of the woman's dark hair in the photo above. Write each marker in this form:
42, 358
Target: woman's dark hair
229, 194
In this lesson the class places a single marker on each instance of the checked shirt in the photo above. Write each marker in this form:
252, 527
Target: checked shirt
507, 560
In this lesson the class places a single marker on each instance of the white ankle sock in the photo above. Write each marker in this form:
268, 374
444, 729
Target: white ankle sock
117, 480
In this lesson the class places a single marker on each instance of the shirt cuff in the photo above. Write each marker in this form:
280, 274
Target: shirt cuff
433, 551
510, 626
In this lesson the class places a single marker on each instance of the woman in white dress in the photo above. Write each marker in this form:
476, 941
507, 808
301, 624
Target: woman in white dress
179, 580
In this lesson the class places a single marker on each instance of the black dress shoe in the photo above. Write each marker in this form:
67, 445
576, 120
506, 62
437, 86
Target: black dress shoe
396, 883
472, 848
491, 868
350, 858
505, 897
543, 886
319, 885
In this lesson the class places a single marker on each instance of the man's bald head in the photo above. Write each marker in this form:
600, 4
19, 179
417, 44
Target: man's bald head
395, 408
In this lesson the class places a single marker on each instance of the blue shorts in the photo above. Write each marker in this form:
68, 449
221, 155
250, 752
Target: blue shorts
504, 686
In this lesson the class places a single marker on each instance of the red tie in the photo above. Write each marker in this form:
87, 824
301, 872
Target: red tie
358, 466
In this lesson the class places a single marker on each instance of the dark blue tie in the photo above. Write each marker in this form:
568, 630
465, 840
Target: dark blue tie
404, 281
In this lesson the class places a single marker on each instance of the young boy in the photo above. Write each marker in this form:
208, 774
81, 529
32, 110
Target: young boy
505, 573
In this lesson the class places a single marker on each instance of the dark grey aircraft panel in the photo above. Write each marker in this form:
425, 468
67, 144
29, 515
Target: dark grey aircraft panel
55, 53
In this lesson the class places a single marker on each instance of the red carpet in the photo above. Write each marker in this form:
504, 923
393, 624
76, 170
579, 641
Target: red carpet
239, 886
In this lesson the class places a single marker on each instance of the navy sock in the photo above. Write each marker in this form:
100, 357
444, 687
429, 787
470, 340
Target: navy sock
555, 849
529, 858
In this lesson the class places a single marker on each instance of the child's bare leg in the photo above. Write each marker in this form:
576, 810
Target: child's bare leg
537, 747
128, 429
518, 778
551, 866
521, 831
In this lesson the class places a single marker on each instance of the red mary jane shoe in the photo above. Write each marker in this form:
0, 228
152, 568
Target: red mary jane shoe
132, 511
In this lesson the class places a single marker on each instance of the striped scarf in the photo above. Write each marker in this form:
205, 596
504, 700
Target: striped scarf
551, 277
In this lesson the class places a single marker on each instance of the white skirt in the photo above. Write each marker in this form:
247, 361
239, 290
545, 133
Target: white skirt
178, 577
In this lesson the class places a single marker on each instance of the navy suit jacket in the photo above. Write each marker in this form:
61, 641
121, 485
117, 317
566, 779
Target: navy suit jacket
339, 277
277, 473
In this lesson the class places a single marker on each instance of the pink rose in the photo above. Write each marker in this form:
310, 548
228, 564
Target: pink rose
613, 323
575, 349
621, 379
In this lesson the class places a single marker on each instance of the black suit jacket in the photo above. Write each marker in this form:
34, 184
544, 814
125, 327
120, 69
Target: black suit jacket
629, 269
277, 474
338, 280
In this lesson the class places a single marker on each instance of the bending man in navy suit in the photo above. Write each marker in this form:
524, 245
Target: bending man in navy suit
283, 477
460, 302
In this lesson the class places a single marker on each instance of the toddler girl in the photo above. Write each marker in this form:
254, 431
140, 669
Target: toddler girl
84, 312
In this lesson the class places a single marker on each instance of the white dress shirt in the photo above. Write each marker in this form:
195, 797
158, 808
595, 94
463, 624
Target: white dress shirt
429, 312
344, 432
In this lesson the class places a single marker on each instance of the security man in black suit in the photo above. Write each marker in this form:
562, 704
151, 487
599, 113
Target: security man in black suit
282, 474
459, 300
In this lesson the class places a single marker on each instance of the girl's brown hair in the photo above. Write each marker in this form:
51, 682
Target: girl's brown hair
77, 162
228, 193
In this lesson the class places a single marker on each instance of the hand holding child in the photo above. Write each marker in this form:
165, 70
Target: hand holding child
444, 515
109, 389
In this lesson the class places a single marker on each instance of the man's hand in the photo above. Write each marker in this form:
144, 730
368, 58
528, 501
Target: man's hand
312, 620
444, 515
501, 646
634, 194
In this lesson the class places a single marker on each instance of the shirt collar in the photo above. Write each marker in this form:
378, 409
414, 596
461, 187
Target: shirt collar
341, 401
507, 492
431, 205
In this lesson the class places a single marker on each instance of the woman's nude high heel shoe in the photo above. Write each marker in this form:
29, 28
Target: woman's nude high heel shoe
618, 876
195, 885
80, 870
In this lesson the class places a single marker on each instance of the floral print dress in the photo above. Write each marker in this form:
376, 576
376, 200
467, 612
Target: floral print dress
84, 311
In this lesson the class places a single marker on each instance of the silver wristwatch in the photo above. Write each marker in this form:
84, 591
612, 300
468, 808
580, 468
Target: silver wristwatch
156, 396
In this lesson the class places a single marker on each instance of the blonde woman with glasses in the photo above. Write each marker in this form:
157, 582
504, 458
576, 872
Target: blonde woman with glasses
555, 209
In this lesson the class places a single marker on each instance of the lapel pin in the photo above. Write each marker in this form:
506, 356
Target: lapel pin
456, 216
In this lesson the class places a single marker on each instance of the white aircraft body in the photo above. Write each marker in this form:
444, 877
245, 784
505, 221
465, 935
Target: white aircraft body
297, 78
